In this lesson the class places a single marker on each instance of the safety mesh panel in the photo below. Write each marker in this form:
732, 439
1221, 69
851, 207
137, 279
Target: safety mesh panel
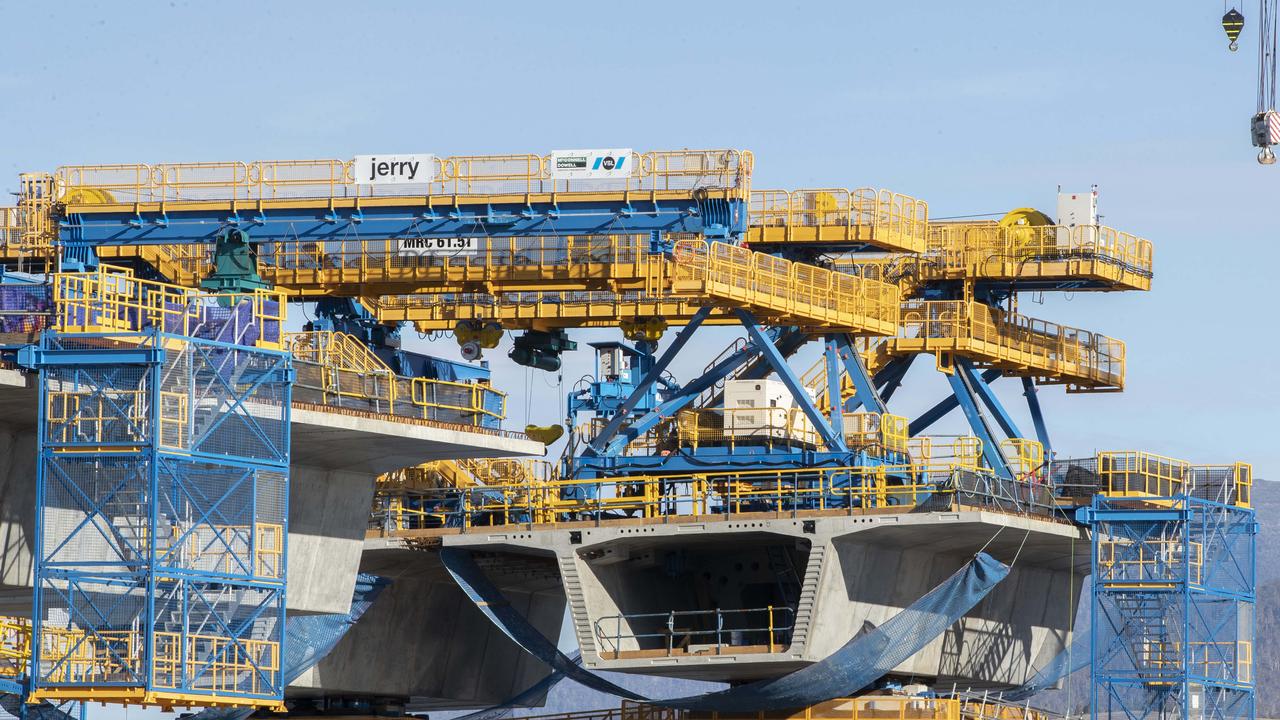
89, 632
208, 520
25, 310
96, 509
217, 637
227, 401
97, 406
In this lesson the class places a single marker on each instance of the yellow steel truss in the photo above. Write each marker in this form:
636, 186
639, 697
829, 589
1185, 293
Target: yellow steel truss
886, 220
1114, 259
701, 274
1053, 354
662, 175
113, 300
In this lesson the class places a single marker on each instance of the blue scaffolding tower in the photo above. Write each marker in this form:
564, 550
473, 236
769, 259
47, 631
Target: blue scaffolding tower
161, 528
1173, 591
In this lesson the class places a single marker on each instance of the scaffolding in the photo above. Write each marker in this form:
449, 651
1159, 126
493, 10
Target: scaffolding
162, 501
1173, 590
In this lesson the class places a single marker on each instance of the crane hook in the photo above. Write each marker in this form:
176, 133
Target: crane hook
1233, 23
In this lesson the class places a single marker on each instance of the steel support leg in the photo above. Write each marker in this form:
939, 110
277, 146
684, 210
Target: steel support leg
865, 390
834, 441
990, 448
599, 442
1030, 391
944, 406
831, 355
983, 391
678, 402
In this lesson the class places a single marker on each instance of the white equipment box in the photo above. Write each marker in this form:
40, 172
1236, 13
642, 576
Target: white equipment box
1078, 210
756, 408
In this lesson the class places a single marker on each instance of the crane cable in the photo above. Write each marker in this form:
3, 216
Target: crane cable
1266, 123
1266, 55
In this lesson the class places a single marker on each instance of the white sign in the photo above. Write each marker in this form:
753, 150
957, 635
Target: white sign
596, 164
393, 169
417, 246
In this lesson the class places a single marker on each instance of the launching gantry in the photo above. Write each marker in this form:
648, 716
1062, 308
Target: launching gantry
698, 528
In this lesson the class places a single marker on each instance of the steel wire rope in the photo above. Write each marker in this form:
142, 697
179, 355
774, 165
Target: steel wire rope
1266, 54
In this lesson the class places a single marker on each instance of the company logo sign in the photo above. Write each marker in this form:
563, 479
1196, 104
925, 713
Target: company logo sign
588, 164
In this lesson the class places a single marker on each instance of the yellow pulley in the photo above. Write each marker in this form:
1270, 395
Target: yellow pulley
1021, 222
1024, 216
87, 196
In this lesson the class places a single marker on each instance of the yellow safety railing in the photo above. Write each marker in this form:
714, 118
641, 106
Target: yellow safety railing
988, 249
113, 300
89, 416
227, 546
1228, 484
220, 664
334, 349
1054, 353
1129, 473
1025, 458
10, 230
95, 416
15, 647
405, 499
1152, 562
1230, 660
729, 427
963, 452
868, 707
516, 263
467, 472
37, 230
334, 368
807, 292
185, 264
892, 219
675, 289
709, 493
681, 170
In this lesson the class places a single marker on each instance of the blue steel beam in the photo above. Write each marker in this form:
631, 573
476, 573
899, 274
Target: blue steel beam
944, 406
623, 215
831, 354
889, 378
863, 385
599, 442
1037, 417
787, 339
990, 448
984, 392
833, 440
679, 401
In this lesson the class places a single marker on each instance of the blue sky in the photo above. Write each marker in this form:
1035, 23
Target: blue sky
975, 107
